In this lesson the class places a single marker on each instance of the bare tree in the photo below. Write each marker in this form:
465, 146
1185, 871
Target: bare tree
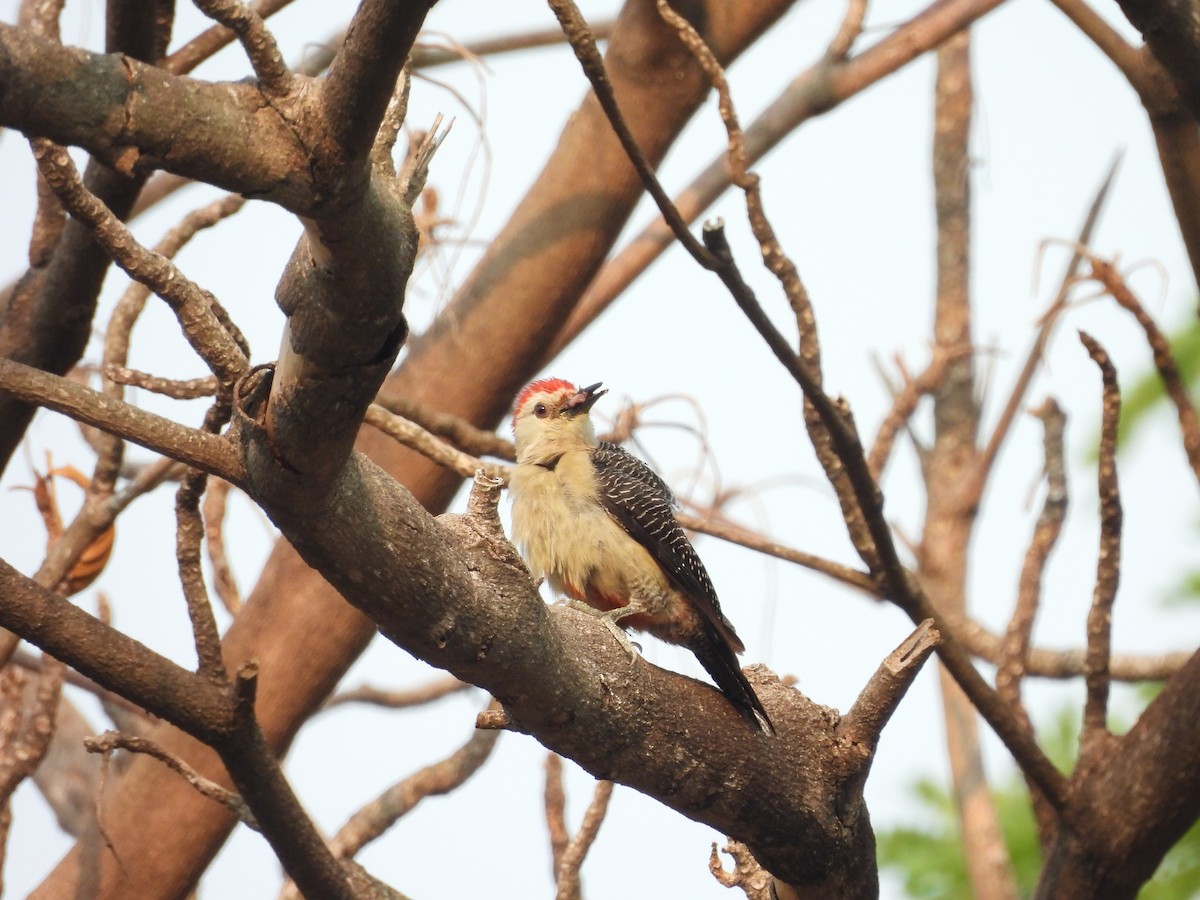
354, 458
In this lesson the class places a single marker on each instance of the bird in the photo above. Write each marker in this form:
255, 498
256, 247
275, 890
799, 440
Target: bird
599, 524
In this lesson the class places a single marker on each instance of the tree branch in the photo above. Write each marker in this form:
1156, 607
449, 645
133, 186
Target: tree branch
1108, 566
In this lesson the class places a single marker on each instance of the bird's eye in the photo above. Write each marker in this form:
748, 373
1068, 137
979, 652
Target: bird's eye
540, 410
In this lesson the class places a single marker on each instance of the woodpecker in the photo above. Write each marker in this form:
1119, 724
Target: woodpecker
599, 524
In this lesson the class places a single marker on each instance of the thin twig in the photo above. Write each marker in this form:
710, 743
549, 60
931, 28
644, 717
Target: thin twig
1016, 397
1120, 52
376, 817
569, 887
204, 45
417, 438
457, 431
111, 741
1096, 673
903, 406
26, 738
848, 32
817, 90
189, 534
1015, 649
872, 536
751, 540
774, 258
1164, 360
418, 696
583, 42
204, 324
213, 509
556, 811
176, 389
274, 77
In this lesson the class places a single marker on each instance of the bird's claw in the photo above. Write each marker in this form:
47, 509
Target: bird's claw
612, 621
613, 624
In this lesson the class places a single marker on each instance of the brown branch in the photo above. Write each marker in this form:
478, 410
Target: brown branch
1014, 651
457, 431
215, 499
817, 90
25, 736
747, 873
35, 663
977, 481
176, 389
1164, 360
556, 812
426, 55
583, 42
418, 696
204, 45
848, 32
205, 328
1015, 648
417, 438
274, 77
1171, 35
744, 537
568, 882
111, 741
49, 309
901, 588
1108, 567
103, 654
442, 777
774, 258
1127, 58
128, 115
363, 76
949, 521
212, 453
904, 404
189, 533
874, 706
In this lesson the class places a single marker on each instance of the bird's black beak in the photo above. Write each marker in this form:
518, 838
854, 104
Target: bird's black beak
584, 399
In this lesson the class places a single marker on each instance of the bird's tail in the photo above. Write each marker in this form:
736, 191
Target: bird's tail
721, 663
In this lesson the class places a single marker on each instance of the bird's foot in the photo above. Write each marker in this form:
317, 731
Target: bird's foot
612, 621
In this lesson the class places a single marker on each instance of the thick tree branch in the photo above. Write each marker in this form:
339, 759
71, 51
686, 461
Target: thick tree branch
108, 657
487, 625
129, 115
1172, 32
212, 453
45, 318
1148, 775
364, 73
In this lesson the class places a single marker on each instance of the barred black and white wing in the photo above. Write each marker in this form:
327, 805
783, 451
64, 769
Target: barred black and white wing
642, 504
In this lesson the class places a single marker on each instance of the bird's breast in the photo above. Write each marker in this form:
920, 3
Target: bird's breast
564, 533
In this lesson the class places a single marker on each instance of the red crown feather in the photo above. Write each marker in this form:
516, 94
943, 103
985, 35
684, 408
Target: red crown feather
547, 385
